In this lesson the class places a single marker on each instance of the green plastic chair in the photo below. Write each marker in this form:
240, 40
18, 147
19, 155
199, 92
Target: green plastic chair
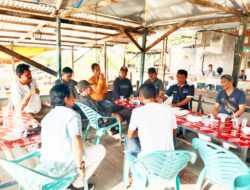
221, 166
93, 118
158, 167
28, 178
242, 182
201, 85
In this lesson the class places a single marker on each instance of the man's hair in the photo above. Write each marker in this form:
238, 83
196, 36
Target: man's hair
21, 68
182, 72
67, 70
228, 77
151, 70
58, 93
210, 65
242, 70
94, 65
82, 85
219, 70
147, 91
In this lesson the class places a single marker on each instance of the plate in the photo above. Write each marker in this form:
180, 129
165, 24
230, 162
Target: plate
246, 130
194, 118
182, 112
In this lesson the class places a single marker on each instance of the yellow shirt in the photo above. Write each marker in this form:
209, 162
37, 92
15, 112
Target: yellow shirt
99, 88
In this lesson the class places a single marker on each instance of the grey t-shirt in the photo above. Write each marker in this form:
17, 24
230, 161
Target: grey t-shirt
157, 83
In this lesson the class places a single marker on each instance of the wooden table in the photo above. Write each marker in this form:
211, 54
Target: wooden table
223, 132
9, 123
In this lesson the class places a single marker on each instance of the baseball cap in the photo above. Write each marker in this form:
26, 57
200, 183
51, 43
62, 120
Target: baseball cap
151, 70
123, 68
228, 77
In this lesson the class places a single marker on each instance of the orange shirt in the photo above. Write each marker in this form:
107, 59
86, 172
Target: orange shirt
99, 88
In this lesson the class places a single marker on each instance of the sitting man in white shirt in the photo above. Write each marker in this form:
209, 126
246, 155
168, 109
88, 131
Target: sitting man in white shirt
152, 126
24, 92
62, 145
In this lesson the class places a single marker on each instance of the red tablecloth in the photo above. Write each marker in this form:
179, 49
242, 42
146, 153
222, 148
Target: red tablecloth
128, 103
9, 123
221, 131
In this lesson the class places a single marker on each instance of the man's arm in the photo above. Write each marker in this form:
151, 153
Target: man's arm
115, 92
242, 104
100, 84
216, 109
183, 102
189, 97
132, 133
241, 110
24, 102
77, 147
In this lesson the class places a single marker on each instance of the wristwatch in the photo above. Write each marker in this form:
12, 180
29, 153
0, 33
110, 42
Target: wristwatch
82, 165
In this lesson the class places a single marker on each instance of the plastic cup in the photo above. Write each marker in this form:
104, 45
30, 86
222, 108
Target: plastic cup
223, 119
236, 123
205, 121
122, 98
244, 122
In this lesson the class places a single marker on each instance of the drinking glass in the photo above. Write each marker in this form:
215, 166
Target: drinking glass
244, 122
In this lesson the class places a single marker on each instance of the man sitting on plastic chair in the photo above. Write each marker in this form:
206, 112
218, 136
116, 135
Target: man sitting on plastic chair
151, 126
62, 146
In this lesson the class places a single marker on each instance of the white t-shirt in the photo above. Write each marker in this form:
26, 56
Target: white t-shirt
18, 92
58, 127
155, 124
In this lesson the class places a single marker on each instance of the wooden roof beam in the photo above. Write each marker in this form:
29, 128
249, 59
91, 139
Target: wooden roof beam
48, 26
88, 7
63, 21
59, 4
132, 39
200, 23
27, 60
176, 27
216, 6
246, 4
30, 33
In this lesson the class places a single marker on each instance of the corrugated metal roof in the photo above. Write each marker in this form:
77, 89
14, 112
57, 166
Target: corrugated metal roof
20, 20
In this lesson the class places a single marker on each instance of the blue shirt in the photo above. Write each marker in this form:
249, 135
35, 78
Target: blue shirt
181, 93
237, 97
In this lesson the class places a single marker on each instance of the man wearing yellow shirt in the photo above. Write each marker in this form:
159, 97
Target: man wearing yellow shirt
99, 86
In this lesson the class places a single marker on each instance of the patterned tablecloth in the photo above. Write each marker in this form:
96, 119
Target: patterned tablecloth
223, 131
128, 103
11, 122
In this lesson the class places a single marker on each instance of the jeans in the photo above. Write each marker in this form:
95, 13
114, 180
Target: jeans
132, 146
105, 103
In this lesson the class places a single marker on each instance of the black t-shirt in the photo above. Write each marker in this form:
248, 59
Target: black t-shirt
122, 87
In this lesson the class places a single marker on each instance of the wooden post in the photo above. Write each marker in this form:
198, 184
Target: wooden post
72, 60
27, 60
105, 60
203, 53
143, 54
13, 58
238, 50
58, 47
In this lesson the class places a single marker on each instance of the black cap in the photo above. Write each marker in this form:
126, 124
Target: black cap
151, 70
123, 68
83, 84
